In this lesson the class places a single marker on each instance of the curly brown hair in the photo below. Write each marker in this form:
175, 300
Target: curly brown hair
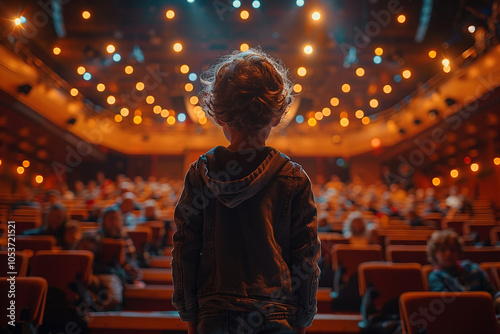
246, 90
439, 238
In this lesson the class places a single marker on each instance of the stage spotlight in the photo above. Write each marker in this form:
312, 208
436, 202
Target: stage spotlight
25, 89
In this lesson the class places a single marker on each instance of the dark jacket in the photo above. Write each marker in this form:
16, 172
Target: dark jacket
246, 236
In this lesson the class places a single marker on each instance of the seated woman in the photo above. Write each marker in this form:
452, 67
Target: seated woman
444, 250
358, 231
55, 224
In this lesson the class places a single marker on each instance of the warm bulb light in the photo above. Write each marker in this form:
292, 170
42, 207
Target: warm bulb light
359, 114
20, 170
124, 112
244, 47
150, 99
379, 51
73, 92
110, 48
297, 88
326, 111
406, 74
188, 87
496, 161
445, 62
26, 163
365, 120
312, 121
101, 87
137, 119
301, 71
129, 69
334, 101
56, 50
139, 86
375, 142
81, 70
316, 16
454, 173
111, 99
436, 181
184, 69
38, 179
474, 167
308, 49
177, 47
374, 103
118, 118
170, 14
432, 54
387, 89
401, 18
86, 14
360, 71
244, 14
344, 122
346, 88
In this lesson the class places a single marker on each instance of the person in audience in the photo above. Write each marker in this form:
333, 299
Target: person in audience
246, 219
150, 211
388, 208
358, 231
127, 204
413, 219
27, 198
66, 193
93, 191
55, 223
72, 235
80, 191
450, 274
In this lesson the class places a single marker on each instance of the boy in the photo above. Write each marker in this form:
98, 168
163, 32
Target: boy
246, 247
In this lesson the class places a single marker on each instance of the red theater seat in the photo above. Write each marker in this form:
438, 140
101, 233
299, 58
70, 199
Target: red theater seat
447, 312
112, 251
35, 242
141, 236
407, 254
482, 254
30, 296
20, 264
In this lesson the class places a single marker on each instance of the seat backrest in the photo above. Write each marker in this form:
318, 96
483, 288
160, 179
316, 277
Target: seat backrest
426, 270
112, 251
481, 229
61, 267
407, 254
482, 254
492, 269
455, 225
350, 257
447, 312
390, 280
30, 293
140, 235
35, 242
158, 229
328, 240
20, 264
494, 235
406, 240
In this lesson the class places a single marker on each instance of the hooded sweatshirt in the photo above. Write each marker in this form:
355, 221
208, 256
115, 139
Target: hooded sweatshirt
246, 237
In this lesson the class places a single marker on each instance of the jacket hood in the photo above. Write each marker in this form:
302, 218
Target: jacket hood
234, 177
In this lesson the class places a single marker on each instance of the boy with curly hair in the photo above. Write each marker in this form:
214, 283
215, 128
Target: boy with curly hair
246, 247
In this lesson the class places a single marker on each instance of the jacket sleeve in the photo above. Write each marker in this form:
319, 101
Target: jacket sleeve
187, 241
305, 252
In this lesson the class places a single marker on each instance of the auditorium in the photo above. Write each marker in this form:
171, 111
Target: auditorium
249, 166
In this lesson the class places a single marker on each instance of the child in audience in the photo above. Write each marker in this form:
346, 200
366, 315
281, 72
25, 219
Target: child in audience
444, 249
55, 222
72, 235
358, 231
246, 248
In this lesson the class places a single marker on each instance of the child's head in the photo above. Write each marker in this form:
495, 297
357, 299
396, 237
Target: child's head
248, 91
56, 217
444, 248
112, 222
72, 234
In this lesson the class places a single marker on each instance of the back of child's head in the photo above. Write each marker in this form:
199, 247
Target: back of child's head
246, 90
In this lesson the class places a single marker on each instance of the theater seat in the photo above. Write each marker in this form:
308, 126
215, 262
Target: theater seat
30, 295
390, 280
482, 230
495, 236
347, 258
112, 251
447, 312
20, 265
35, 242
407, 254
328, 240
141, 236
492, 269
482, 254
61, 268
158, 232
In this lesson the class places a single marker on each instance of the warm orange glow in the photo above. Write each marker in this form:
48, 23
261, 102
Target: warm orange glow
139, 86
375, 142
188, 87
346, 88
387, 89
193, 99
164, 113
157, 109
496, 161
0, 162
334, 101
436, 181
86, 14
316, 16
301, 71
150, 99
110, 48
447, 69
297, 88
365, 120
56, 50
312, 121
318, 115
124, 112
17, 21
374, 103
401, 18
38, 179
244, 47
118, 118
171, 120
101, 87
344, 122
308, 49
445, 62
379, 51
406, 74
111, 99
359, 114
177, 47
184, 69
454, 173
137, 112
129, 69
202, 120
26, 163
360, 71
432, 54
474, 167
137, 119
20, 170
80, 70
170, 14
326, 112
244, 14
336, 139
73, 92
